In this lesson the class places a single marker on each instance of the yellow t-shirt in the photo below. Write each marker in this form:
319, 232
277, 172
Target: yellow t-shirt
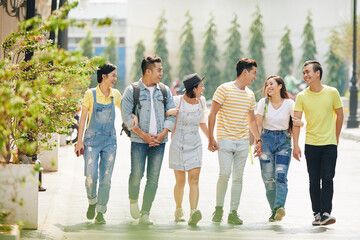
232, 118
88, 100
319, 109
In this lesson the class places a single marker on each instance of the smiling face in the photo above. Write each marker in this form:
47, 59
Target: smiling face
199, 89
110, 78
155, 73
250, 76
272, 87
310, 76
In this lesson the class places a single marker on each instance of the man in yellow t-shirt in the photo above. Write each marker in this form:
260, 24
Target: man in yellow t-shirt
324, 116
234, 104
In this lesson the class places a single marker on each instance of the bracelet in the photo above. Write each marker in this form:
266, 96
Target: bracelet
258, 140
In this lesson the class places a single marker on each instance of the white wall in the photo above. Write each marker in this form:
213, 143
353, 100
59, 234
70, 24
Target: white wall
143, 18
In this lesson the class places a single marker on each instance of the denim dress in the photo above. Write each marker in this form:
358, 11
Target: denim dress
186, 148
100, 153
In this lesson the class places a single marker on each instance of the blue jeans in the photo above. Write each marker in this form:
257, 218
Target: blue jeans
99, 156
139, 152
232, 156
274, 163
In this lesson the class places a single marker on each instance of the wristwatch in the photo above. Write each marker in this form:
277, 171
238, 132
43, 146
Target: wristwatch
258, 140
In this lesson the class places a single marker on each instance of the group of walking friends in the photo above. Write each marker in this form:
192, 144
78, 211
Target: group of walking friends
150, 112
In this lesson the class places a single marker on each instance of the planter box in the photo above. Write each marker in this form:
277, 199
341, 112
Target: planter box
49, 159
14, 234
19, 185
63, 140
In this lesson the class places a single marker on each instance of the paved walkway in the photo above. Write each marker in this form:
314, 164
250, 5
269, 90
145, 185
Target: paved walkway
62, 208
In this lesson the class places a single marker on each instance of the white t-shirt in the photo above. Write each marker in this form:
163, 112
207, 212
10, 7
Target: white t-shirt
152, 126
276, 119
191, 107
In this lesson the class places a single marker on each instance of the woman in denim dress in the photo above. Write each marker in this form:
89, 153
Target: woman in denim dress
275, 117
185, 154
99, 145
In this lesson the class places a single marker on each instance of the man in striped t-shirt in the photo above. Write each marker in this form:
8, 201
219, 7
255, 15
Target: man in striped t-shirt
234, 104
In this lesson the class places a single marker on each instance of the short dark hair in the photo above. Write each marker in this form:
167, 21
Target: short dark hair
104, 69
316, 66
149, 63
245, 63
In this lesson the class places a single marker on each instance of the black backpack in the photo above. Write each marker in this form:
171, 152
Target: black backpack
136, 94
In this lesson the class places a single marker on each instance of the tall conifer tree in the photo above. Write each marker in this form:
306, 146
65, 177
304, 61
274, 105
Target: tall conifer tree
136, 71
187, 49
233, 51
161, 50
209, 59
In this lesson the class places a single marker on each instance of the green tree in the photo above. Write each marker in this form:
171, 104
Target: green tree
110, 53
256, 49
233, 51
187, 49
136, 71
335, 65
161, 50
286, 54
210, 58
87, 50
86, 45
308, 45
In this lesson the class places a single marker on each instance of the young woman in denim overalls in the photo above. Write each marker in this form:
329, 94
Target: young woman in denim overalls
99, 146
185, 154
275, 117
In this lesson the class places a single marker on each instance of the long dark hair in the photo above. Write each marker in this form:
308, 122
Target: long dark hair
283, 94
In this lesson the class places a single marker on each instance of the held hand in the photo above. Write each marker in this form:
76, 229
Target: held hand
297, 122
258, 149
160, 136
151, 139
172, 112
79, 149
135, 121
213, 146
297, 153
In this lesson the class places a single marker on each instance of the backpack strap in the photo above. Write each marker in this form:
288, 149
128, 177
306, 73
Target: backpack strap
136, 93
164, 93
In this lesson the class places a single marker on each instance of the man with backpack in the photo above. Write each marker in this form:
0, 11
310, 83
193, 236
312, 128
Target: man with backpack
148, 100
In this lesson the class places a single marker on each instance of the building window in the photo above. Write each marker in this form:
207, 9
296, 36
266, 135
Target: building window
97, 40
122, 40
74, 40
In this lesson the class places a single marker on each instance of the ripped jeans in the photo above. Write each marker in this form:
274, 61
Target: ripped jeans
274, 163
99, 156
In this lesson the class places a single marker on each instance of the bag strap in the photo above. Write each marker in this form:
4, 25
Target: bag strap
164, 93
266, 107
136, 93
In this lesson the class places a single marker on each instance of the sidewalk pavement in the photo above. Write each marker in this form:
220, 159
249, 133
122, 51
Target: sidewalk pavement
62, 208
351, 133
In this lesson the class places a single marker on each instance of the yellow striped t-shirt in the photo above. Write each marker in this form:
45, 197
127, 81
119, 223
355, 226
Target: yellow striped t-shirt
232, 118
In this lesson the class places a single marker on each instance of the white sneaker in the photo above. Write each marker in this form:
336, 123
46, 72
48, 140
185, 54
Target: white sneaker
179, 215
280, 213
195, 217
145, 219
316, 221
134, 210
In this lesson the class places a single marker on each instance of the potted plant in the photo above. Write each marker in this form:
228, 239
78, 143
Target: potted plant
37, 97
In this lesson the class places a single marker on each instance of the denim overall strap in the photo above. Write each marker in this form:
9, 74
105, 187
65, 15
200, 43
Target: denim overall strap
96, 124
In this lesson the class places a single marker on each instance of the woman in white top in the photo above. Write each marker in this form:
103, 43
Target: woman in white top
275, 117
185, 153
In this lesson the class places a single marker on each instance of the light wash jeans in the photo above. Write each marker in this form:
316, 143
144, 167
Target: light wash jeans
154, 155
99, 156
232, 156
274, 162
